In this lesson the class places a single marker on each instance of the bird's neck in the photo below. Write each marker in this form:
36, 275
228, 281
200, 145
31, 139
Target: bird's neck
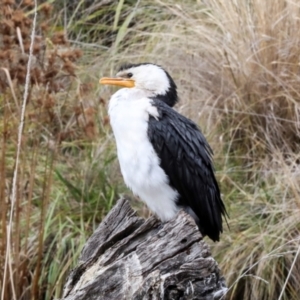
132, 94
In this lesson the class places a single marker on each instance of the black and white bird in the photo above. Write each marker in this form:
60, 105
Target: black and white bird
164, 157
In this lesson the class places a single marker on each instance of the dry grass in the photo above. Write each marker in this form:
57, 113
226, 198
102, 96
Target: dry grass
240, 71
237, 68
62, 187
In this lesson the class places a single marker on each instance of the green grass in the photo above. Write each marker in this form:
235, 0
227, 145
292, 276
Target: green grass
236, 67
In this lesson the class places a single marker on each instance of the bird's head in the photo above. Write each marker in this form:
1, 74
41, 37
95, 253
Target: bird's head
151, 78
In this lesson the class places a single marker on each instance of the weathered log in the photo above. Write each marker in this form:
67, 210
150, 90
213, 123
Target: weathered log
128, 257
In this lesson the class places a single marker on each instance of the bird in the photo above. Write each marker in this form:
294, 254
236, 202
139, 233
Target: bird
164, 157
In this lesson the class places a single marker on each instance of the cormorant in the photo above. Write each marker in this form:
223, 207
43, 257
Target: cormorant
164, 157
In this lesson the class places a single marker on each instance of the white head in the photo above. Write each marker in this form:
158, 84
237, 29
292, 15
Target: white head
151, 78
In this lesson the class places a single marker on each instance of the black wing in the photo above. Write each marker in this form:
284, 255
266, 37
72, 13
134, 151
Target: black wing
186, 158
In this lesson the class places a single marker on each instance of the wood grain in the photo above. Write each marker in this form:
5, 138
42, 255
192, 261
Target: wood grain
128, 257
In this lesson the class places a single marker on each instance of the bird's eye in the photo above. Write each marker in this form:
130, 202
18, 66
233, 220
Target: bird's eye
129, 75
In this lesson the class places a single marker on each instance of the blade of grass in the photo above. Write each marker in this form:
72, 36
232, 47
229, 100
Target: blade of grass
124, 28
289, 274
117, 15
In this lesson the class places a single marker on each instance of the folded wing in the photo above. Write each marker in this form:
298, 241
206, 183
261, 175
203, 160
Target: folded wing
186, 158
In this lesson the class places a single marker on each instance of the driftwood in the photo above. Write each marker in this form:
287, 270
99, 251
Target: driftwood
130, 258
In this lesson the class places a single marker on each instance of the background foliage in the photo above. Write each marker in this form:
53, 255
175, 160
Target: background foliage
237, 67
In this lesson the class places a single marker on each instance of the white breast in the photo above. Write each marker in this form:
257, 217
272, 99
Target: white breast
129, 113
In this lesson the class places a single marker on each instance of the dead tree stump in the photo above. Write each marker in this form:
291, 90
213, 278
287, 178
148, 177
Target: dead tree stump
128, 257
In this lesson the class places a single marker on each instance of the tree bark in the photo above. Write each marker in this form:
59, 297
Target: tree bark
128, 257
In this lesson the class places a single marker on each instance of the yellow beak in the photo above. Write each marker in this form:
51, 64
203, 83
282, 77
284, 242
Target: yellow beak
129, 83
